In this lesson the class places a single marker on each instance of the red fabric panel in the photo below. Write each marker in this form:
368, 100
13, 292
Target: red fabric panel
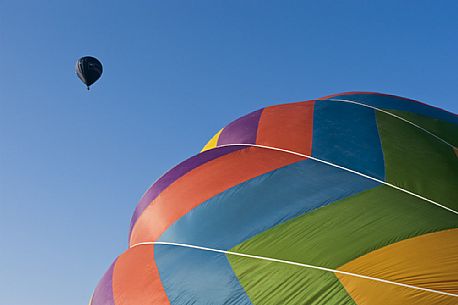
136, 278
201, 184
288, 127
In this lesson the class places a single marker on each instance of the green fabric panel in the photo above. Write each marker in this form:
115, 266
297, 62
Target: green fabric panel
269, 283
418, 162
333, 235
445, 130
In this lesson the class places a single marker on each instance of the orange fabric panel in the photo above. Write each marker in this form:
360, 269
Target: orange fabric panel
287, 126
201, 184
136, 278
427, 261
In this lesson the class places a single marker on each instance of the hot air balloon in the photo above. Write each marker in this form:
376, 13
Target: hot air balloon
346, 199
89, 69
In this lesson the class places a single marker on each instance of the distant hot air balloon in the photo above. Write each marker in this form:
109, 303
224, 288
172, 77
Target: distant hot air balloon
348, 199
89, 69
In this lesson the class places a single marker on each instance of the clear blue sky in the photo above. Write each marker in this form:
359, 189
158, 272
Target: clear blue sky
73, 164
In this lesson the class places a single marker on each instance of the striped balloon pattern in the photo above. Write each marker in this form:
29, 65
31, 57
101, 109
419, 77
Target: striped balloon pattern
347, 199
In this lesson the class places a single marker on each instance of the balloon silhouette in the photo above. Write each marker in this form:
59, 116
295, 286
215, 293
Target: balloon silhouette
89, 69
346, 199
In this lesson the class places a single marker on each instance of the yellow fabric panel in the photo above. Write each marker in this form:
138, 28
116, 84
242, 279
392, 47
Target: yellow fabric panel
427, 261
213, 141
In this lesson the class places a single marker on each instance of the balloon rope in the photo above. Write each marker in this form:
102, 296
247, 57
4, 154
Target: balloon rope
396, 116
346, 169
270, 259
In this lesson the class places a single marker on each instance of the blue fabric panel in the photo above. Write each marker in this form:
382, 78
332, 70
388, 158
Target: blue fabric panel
346, 134
191, 276
258, 204
398, 103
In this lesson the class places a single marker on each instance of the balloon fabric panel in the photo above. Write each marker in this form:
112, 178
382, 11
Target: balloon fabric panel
136, 278
287, 127
445, 130
346, 134
419, 162
270, 283
427, 261
187, 274
103, 294
241, 131
213, 141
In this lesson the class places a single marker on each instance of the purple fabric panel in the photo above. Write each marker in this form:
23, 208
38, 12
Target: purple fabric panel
103, 294
175, 173
242, 130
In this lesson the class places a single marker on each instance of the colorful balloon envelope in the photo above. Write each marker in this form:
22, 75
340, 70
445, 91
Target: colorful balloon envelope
347, 199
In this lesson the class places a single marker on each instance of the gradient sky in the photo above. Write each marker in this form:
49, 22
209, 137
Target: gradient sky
73, 163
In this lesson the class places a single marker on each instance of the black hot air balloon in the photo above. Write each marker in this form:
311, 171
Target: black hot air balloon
89, 69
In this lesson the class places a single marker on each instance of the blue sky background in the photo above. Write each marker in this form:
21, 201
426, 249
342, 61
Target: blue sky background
73, 164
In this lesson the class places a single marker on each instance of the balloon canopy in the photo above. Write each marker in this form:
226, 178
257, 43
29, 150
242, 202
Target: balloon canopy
346, 199
89, 69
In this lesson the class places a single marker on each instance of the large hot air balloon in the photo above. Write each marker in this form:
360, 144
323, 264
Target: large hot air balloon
89, 69
347, 199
